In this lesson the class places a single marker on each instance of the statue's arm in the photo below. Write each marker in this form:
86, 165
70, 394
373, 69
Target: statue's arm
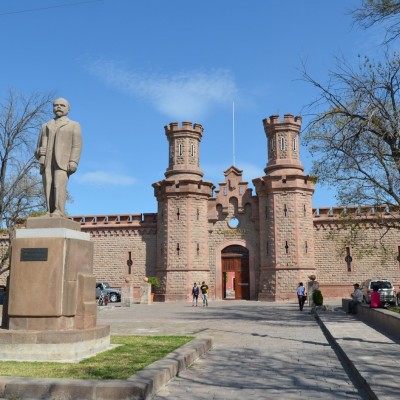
76, 148
41, 147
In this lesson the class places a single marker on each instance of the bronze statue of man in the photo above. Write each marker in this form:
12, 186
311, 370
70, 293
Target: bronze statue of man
58, 151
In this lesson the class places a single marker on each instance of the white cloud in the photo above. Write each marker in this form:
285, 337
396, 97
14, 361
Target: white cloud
181, 96
105, 178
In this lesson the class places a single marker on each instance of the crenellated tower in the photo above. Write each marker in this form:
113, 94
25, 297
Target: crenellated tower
182, 230
285, 212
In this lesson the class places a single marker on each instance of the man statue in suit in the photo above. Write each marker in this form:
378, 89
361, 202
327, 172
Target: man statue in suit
58, 151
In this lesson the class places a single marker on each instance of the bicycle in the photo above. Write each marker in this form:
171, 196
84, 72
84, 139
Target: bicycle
103, 299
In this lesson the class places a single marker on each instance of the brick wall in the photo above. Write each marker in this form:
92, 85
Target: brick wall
373, 251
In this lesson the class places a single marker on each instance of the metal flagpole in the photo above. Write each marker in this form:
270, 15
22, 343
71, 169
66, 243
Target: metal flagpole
233, 132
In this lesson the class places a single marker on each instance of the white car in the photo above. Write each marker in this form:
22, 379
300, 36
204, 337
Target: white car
385, 289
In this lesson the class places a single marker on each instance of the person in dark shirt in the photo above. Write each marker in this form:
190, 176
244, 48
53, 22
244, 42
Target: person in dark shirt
204, 293
195, 294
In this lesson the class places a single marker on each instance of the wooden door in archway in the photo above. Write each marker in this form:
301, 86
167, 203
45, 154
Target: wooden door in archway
235, 273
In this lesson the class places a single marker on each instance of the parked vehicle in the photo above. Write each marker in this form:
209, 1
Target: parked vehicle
3, 294
113, 294
385, 288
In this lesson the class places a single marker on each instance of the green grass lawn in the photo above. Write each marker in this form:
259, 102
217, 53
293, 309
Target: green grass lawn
394, 309
133, 354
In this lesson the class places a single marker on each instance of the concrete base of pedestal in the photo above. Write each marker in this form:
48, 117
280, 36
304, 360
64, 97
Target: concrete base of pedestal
127, 294
61, 346
145, 293
51, 303
52, 286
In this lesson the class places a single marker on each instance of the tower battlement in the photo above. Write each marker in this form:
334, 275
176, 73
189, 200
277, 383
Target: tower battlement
274, 121
186, 126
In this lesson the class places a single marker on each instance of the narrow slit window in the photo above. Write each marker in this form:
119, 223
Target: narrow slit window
180, 149
283, 144
306, 247
192, 150
177, 249
348, 258
294, 144
285, 210
198, 249
178, 214
398, 255
287, 247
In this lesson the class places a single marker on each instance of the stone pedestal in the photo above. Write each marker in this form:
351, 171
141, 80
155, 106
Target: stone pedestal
145, 293
127, 294
52, 290
312, 286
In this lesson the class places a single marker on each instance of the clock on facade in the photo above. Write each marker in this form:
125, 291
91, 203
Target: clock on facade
233, 223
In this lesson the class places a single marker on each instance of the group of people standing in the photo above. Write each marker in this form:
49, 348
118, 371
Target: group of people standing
204, 294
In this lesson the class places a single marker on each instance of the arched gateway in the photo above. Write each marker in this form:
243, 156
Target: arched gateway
235, 273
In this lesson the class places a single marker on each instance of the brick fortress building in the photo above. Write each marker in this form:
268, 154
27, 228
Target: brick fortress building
245, 246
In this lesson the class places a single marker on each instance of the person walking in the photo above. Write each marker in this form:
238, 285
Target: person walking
204, 293
195, 294
301, 295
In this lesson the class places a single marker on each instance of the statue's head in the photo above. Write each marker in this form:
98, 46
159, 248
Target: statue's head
61, 107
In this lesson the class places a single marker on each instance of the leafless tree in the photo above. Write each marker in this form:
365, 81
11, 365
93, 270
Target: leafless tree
385, 12
20, 183
354, 133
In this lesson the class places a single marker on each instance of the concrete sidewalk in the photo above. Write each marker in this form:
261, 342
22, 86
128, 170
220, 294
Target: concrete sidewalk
260, 351
373, 356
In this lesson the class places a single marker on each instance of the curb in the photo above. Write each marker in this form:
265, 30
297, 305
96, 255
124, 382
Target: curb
332, 341
141, 386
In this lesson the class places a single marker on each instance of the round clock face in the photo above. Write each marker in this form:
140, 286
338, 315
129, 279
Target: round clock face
233, 223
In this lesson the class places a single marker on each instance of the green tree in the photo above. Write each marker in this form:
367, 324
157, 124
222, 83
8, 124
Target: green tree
354, 133
20, 183
384, 12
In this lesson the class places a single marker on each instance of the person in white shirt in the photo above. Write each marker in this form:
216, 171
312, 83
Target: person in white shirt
301, 295
356, 298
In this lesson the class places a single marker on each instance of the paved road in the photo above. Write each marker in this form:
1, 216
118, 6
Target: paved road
262, 351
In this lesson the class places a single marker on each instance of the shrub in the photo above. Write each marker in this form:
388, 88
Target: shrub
154, 281
318, 299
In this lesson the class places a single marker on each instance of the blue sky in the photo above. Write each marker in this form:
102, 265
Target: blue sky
130, 67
